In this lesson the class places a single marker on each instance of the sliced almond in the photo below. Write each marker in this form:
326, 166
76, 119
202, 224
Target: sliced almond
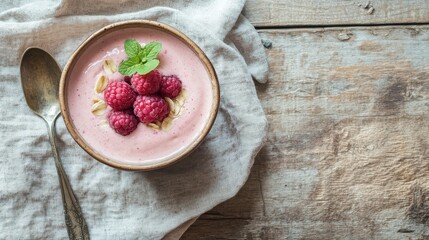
96, 100
167, 123
103, 123
153, 126
181, 98
172, 114
101, 83
109, 66
171, 106
178, 107
99, 108
179, 110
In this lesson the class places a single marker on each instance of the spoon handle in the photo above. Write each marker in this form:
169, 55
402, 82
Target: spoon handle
76, 225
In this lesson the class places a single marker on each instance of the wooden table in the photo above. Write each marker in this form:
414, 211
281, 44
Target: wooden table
347, 101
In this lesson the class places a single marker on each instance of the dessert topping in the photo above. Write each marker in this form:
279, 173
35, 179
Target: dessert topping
140, 59
143, 95
98, 108
109, 66
119, 95
101, 83
170, 86
150, 108
146, 84
123, 122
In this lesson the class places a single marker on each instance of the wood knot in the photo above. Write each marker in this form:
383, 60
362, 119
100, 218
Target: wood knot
392, 98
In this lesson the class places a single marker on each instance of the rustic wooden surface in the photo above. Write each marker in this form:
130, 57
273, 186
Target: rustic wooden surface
348, 146
269, 13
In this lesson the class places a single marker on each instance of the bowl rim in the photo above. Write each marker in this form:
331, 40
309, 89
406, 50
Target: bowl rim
136, 24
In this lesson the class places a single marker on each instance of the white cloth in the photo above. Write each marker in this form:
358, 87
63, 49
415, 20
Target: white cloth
119, 204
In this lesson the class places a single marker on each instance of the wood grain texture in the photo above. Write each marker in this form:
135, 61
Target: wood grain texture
348, 149
266, 13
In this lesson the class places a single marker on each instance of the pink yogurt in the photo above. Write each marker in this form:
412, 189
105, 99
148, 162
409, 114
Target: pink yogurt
144, 145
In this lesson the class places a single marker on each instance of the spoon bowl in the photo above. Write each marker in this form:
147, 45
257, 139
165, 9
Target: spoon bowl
40, 76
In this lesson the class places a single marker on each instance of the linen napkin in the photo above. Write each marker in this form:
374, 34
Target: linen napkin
119, 204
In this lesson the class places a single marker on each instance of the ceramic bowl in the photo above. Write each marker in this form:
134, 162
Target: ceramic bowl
147, 148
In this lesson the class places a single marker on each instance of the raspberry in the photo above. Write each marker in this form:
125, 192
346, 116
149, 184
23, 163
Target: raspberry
146, 84
150, 108
127, 79
119, 95
170, 86
123, 122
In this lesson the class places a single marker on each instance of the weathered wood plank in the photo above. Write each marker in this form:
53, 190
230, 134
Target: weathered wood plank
341, 12
348, 149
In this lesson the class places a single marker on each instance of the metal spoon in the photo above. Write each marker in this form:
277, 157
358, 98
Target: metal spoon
40, 76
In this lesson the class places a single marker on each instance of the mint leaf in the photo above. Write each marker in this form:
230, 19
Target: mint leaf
132, 47
141, 60
150, 50
147, 67
127, 67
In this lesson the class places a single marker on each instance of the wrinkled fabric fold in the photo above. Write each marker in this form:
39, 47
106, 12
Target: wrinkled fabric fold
119, 204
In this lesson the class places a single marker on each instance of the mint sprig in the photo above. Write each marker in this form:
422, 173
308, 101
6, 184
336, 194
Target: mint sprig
140, 60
